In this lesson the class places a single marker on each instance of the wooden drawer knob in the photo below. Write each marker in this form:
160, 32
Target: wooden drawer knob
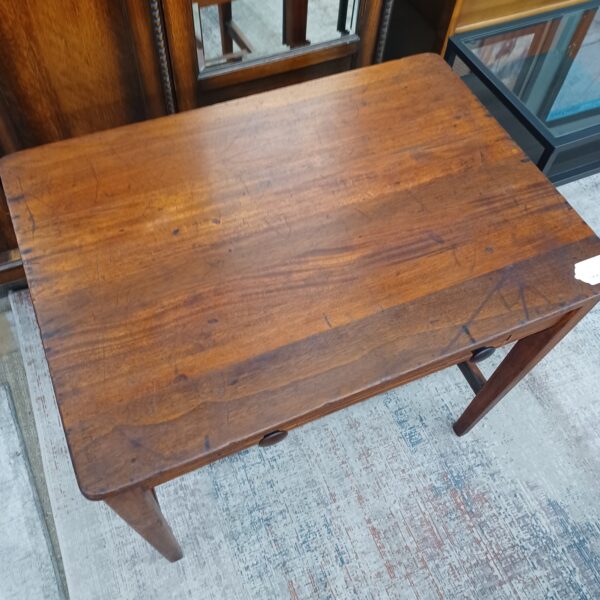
481, 354
273, 438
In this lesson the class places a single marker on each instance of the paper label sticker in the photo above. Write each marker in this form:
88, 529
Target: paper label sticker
588, 270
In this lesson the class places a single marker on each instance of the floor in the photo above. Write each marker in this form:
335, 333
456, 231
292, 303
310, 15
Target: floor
25, 539
12, 375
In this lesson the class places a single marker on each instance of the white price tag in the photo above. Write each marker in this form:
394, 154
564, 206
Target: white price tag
588, 270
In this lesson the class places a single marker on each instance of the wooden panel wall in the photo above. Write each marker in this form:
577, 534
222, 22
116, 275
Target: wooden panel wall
69, 67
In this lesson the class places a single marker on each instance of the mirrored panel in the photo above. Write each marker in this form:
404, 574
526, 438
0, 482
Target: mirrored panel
237, 31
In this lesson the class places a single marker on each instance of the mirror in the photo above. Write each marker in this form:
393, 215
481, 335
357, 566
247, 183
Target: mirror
237, 31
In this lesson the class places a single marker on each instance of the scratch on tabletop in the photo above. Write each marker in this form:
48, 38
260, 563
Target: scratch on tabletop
477, 311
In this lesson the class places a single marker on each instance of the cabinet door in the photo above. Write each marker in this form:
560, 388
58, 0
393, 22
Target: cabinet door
221, 49
70, 67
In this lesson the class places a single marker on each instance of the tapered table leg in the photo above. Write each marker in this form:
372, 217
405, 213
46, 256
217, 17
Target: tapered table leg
139, 508
525, 354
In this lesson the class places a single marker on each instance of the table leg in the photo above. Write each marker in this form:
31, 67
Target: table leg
139, 508
525, 354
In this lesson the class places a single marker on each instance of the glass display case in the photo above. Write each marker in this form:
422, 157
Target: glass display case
541, 78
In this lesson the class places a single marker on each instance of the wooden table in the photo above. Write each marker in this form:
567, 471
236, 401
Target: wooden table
206, 279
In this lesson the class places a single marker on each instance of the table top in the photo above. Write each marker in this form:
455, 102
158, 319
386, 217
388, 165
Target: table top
550, 62
203, 279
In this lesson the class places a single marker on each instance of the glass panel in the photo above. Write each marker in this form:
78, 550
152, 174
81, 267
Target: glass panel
242, 30
552, 66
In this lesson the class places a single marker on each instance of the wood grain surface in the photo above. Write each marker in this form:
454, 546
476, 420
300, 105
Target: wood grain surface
369, 15
71, 67
179, 26
204, 279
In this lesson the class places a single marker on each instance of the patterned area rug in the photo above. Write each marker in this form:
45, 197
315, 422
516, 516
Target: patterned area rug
378, 501
26, 569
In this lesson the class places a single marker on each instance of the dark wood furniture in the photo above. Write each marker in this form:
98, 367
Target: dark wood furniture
194, 297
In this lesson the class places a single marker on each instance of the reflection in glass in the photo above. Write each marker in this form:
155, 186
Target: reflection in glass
241, 30
553, 67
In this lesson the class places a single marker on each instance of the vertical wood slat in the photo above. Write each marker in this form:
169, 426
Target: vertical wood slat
147, 56
454, 15
295, 15
369, 13
179, 25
